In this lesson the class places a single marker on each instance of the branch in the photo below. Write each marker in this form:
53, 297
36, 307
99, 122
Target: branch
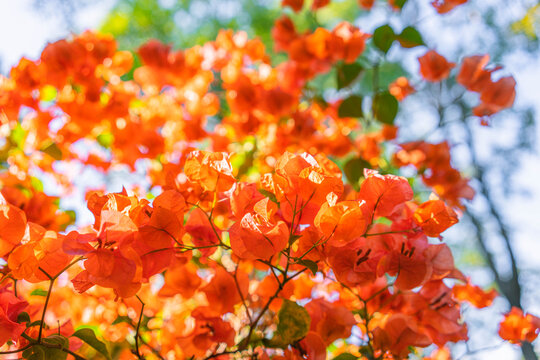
137, 330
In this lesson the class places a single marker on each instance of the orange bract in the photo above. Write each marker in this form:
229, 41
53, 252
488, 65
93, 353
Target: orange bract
517, 327
434, 67
12, 226
212, 170
401, 88
444, 6
434, 217
474, 295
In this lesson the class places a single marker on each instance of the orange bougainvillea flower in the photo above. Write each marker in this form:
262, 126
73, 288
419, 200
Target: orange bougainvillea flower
444, 6
10, 307
384, 193
259, 235
473, 74
296, 5
366, 4
313, 346
517, 327
283, 33
411, 271
210, 169
474, 295
181, 278
343, 221
222, 293
12, 226
330, 320
116, 269
434, 67
397, 333
434, 217
203, 233
496, 96
347, 42
401, 88
446, 181
207, 331
317, 4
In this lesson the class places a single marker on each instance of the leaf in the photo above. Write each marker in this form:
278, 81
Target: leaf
310, 264
385, 107
399, 3
345, 356
387, 72
38, 292
53, 151
347, 73
48, 93
269, 195
121, 319
23, 317
34, 353
383, 37
36, 183
354, 170
88, 336
55, 353
17, 136
275, 342
410, 37
293, 239
351, 107
293, 323
105, 139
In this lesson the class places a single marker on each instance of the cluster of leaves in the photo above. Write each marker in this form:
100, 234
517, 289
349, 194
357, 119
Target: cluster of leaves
256, 244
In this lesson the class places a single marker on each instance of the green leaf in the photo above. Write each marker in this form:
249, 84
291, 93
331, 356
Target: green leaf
345, 356
387, 72
34, 323
36, 183
38, 292
48, 93
347, 73
351, 107
383, 37
52, 150
55, 353
121, 319
310, 264
17, 136
385, 107
275, 342
105, 139
410, 37
354, 170
269, 195
293, 322
293, 239
34, 353
399, 3
23, 317
89, 337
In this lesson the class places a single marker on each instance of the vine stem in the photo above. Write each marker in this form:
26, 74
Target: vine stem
49, 292
138, 328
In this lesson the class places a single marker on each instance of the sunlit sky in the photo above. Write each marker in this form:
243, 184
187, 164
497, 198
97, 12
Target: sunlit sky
25, 32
